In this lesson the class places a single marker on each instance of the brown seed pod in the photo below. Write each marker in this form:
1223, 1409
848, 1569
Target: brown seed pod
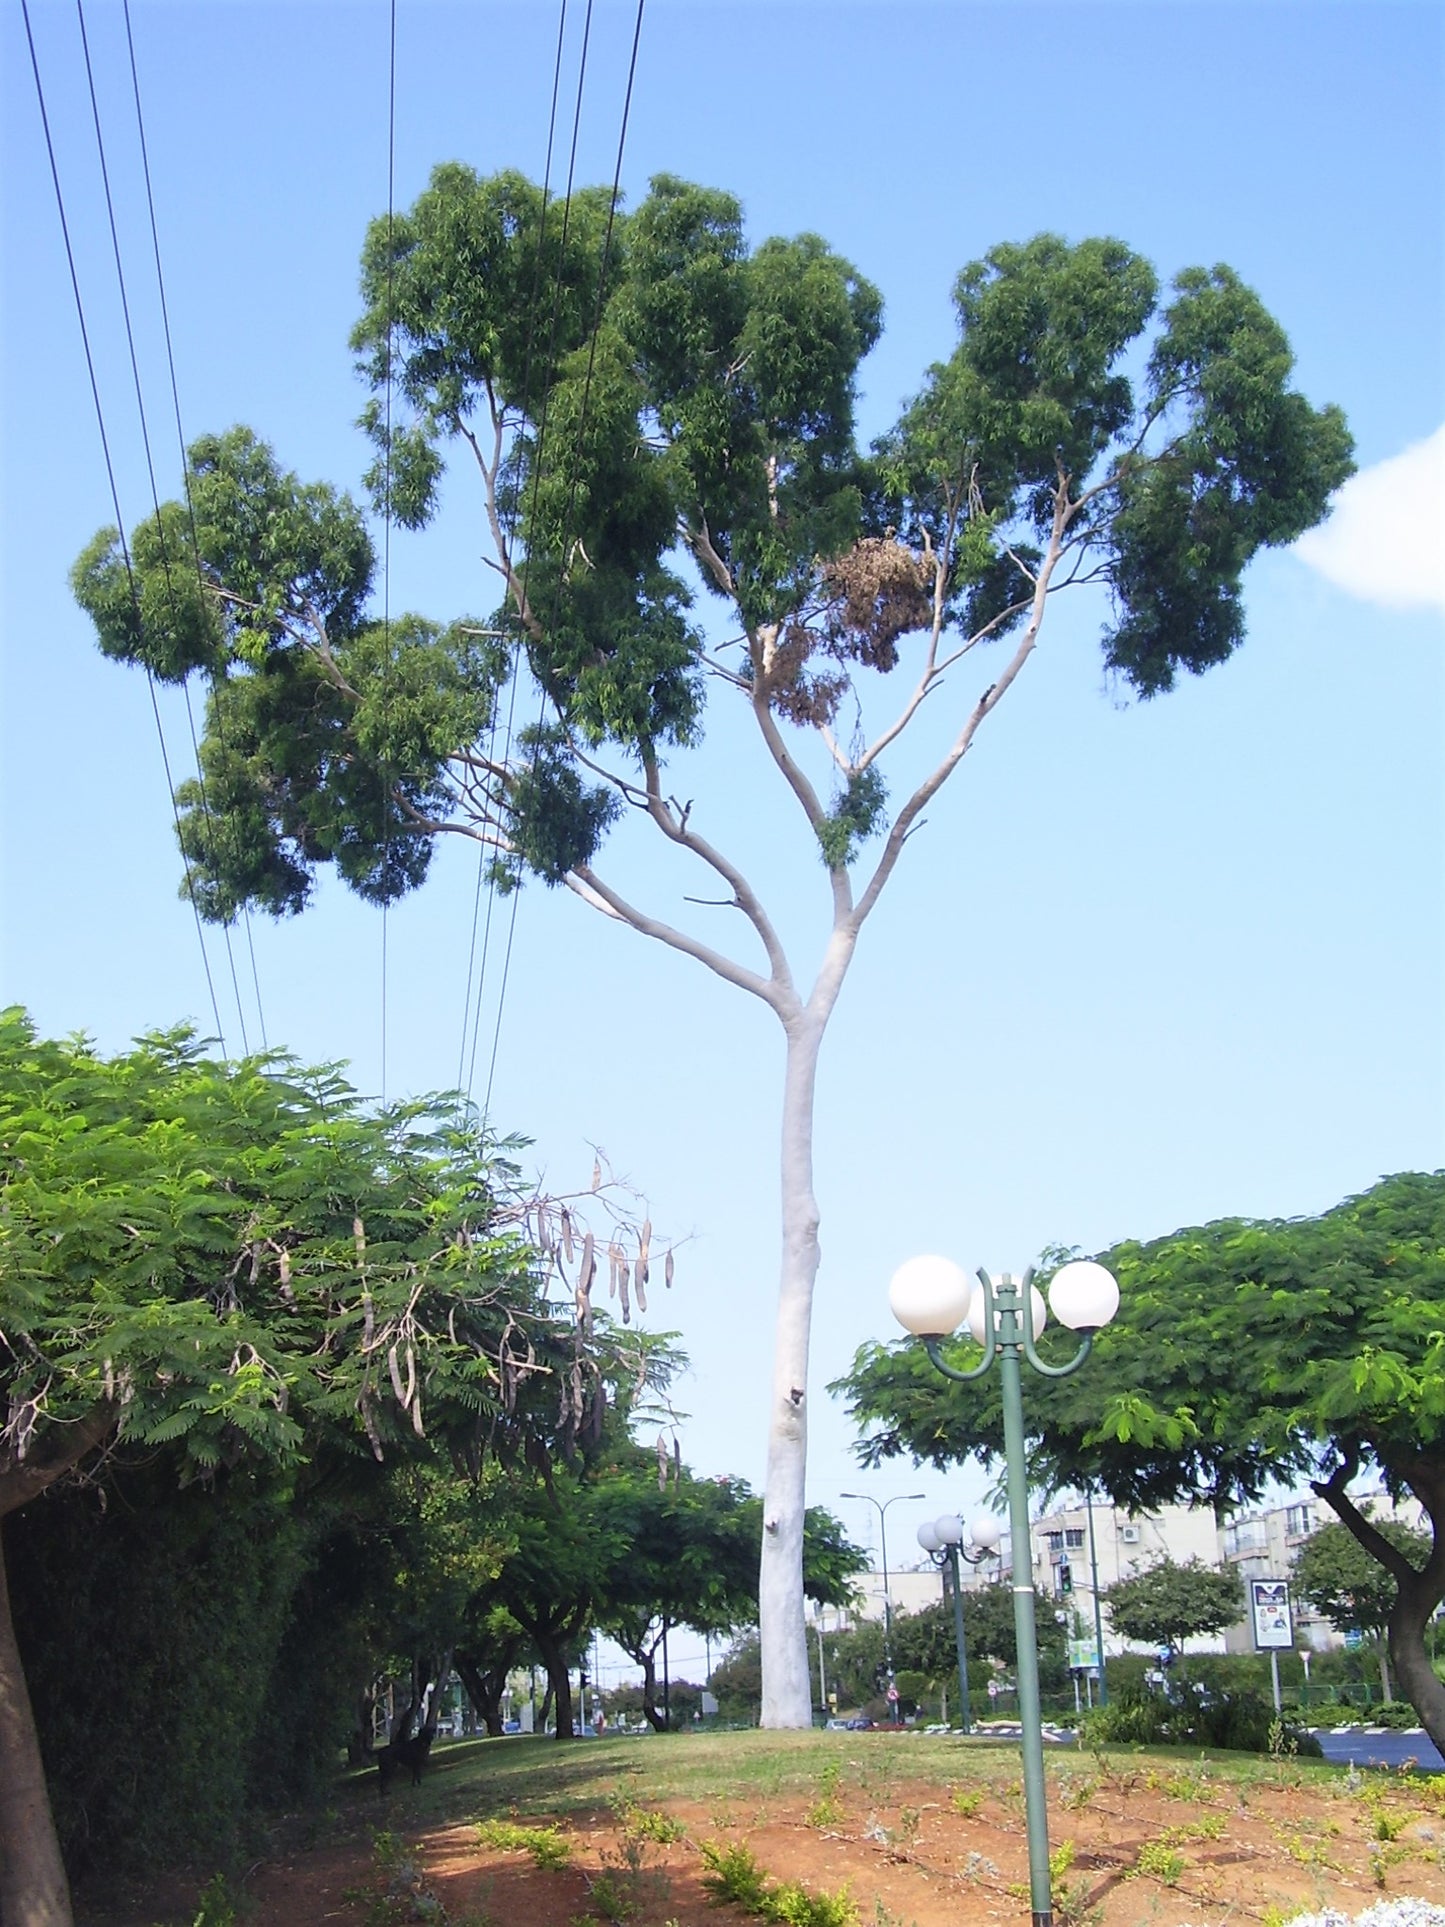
639, 1283
588, 1270
667, 1271
567, 1234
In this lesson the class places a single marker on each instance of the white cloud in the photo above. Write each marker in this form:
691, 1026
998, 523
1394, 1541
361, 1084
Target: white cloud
1385, 538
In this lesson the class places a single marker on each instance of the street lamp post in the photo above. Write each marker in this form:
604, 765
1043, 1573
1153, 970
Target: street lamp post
931, 1297
898, 1498
943, 1542
1098, 1610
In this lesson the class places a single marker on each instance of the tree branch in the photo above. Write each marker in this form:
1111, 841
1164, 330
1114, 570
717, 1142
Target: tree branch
986, 704
585, 882
24, 1479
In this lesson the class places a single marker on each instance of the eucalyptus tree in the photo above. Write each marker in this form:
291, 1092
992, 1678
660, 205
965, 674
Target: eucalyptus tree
1245, 1354
654, 415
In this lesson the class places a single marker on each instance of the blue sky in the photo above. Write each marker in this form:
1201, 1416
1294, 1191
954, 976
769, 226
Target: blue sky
1146, 965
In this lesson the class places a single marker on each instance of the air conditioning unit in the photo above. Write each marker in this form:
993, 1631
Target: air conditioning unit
1129, 1535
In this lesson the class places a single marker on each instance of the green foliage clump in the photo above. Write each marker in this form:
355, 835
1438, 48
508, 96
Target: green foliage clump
734, 1876
854, 817
548, 1846
1234, 1722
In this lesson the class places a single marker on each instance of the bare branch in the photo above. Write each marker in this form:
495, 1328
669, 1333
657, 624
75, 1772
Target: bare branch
985, 706
590, 887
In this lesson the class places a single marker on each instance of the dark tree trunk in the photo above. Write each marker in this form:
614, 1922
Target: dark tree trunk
1417, 1593
648, 1662
554, 1658
359, 1748
33, 1888
484, 1688
34, 1891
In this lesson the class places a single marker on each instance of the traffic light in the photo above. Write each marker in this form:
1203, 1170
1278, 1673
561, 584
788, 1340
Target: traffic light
1066, 1577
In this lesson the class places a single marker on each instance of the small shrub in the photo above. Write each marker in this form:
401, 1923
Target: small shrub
547, 1845
734, 1875
1160, 1862
966, 1801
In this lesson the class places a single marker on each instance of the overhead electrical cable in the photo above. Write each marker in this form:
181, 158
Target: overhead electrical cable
511, 524
151, 474
186, 483
386, 536
115, 501
537, 466
581, 433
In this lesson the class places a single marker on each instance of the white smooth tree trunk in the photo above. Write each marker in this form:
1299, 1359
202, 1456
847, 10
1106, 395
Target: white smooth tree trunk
787, 1687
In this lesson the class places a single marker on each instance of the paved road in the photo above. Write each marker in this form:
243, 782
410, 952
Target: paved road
1381, 1749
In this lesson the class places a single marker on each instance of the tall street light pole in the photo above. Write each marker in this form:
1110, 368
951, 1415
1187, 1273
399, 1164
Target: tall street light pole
1098, 1610
943, 1541
898, 1498
931, 1297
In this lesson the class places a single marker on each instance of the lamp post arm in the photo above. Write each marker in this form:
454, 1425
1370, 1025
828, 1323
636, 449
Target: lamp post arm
934, 1348
1057, 1371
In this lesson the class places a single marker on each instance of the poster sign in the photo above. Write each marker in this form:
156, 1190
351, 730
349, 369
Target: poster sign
1269, 1606
1083, 1654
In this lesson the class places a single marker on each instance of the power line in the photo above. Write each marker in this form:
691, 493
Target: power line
115, 501
150, 464
525, 404
386, 538
190, 501
581, 433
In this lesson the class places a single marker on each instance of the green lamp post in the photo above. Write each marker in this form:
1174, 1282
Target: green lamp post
931, 1297
943, 1541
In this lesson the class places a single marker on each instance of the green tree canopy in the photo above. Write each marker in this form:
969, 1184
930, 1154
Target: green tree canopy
660, 418
1168, 1603
1333, 1573
1244, 1353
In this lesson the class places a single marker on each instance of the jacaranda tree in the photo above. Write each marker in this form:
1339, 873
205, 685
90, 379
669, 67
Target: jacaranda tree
224, 1269
659, 419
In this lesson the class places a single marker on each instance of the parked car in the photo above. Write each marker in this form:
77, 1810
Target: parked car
860, 1725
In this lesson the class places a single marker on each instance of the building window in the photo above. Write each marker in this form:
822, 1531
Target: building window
1074, 1538
1056, 1541
1299, 1521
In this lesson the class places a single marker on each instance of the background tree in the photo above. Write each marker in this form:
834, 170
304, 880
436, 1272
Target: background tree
1334, 1573
232, 1274
1343, 1372
1168, 1603
653, 408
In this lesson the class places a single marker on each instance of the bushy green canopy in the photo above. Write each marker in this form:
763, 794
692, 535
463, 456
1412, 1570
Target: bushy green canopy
233, 1260
653, 404
1243, 1352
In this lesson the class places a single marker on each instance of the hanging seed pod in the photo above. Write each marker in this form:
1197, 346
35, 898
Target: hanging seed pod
287, 1292
358, 1232
411, 1391
368, 1320
544, 1231
677, 1462
639, 1283
416, 1424
667, 1271
589, 1265
394, 1367
596, 1174
369, 1422
597, 1414
567, 1234
644, 1243
661, 1463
